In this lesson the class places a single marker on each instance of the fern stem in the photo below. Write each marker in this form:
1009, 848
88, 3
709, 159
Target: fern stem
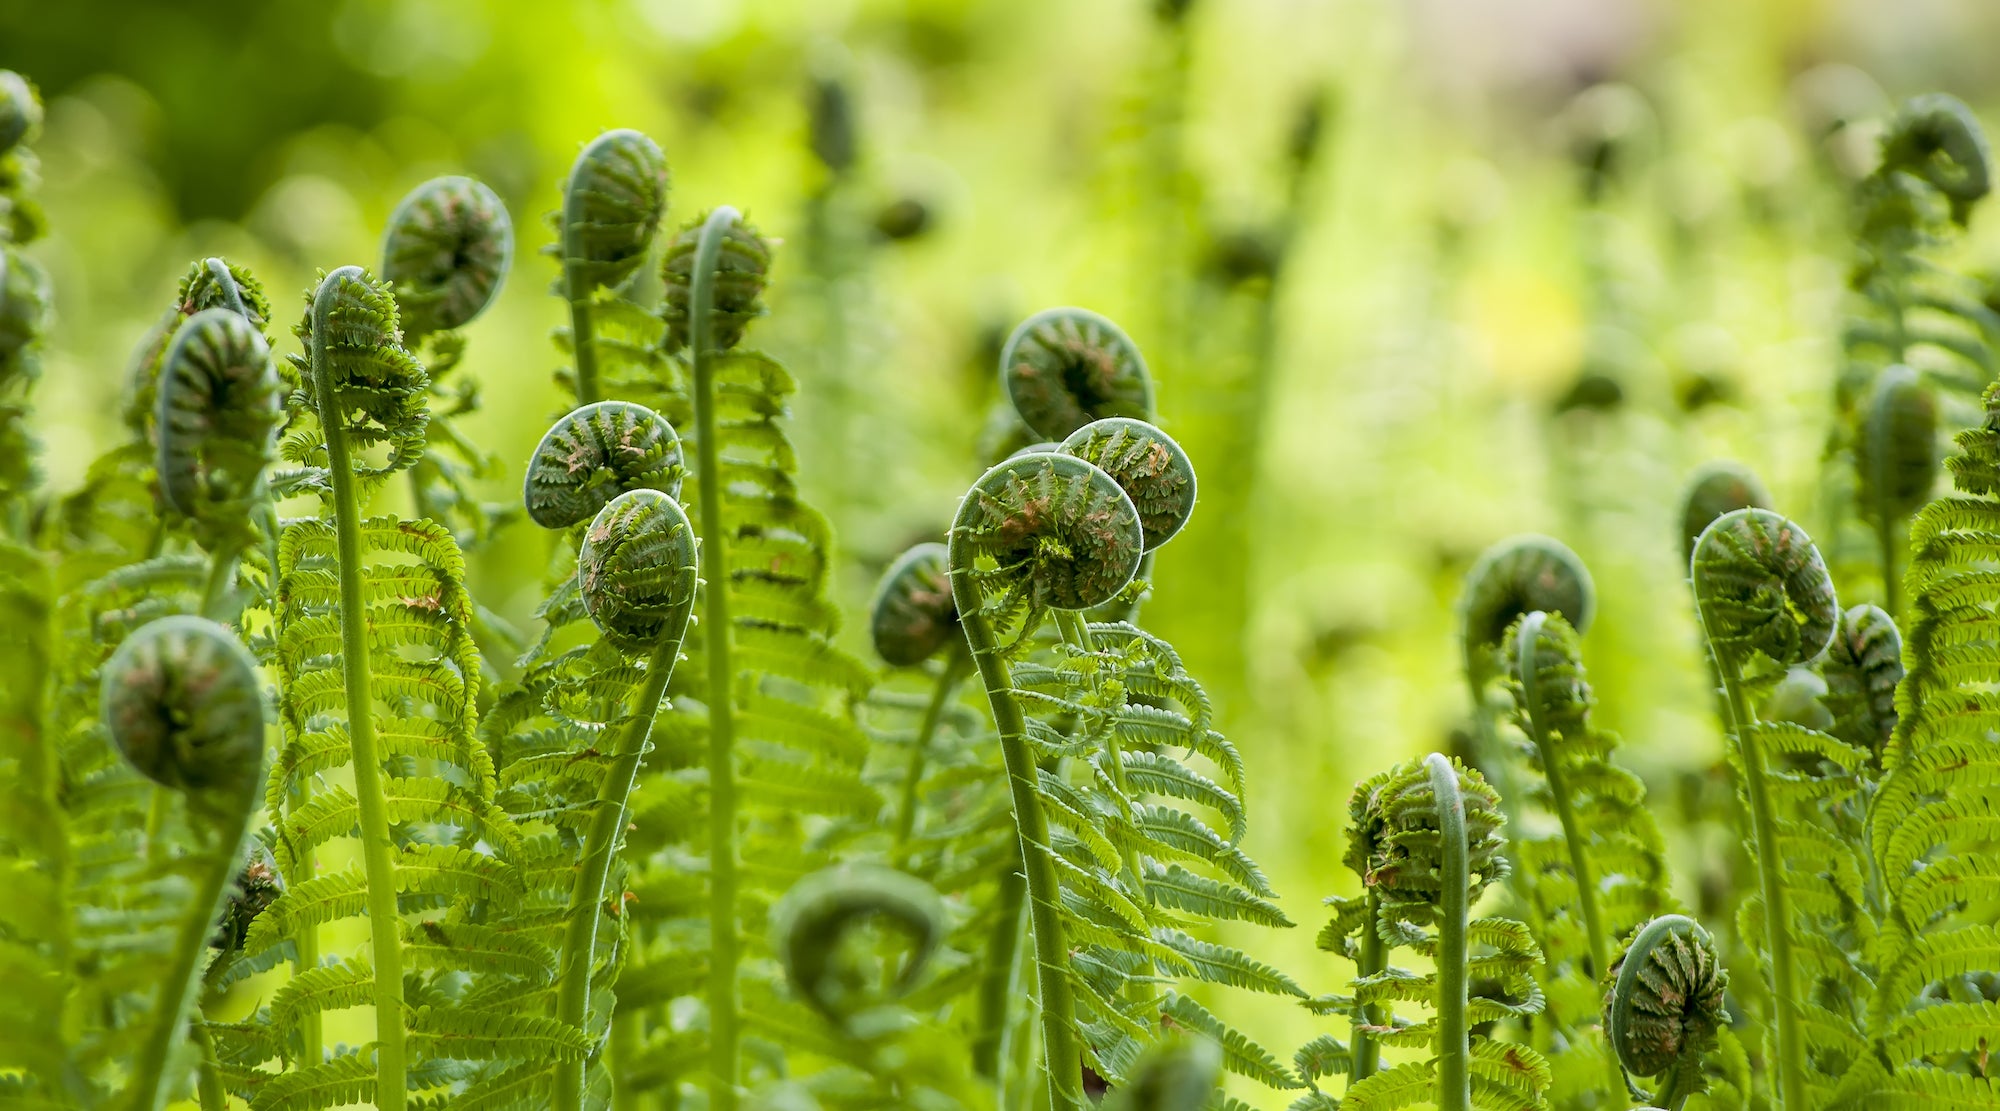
180, 987
1885, 540
721, 694
956, 666
577, 291
1062, 1061
1790, 1064
996, 988
208, 1082
377, 847
215, 589
586, 899
1365, 1054
1454, 882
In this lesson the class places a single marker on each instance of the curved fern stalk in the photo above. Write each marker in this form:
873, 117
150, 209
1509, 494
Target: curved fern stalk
1426, 842
1605, 871
1765, 604
1061, 534
612, 205
446, 253
183, 704
910, 621
637, 573
1663, 1010
1934, 817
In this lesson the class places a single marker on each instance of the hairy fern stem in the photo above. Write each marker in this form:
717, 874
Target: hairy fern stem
722, 1016
377, 848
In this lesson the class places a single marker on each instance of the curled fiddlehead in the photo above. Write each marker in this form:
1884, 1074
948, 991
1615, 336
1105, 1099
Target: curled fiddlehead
1936, 138
367, 389
816, 930
446, 252
218, 410
1896, 459
1147, 464
1762, 589
913, 616
1663, 1008
741, 267
1714, 490
1065, 367
1515, 577
183, 704
20, 110
20, 118
1061, 532
596, 453
1181, 1075
612, 206
210, 283
1863, 665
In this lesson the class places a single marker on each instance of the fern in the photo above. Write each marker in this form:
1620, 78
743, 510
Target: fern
1426, 840
1663, 1012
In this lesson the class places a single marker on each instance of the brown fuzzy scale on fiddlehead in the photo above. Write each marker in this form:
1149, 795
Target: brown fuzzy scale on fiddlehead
612, 206
913, 616
636, 569
1714, 490
446, 253
596, 453
1515, 577
1066, 367
1863, 666
1151, 468
183, 703
742, 269
1936, 137
1663, 1007
217, 413
1063, 533
1394, 843
814, 925
1762, 587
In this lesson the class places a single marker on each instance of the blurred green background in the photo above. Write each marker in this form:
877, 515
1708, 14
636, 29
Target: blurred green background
1413, 275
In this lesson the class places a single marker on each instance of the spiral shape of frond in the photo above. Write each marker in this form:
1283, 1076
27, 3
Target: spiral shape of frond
1395, 844
1065, 367
1151, 468
1062, 532
183, 703
446, 252
1714, 490
1864, 664
913, 615
612, 206
742, 269
1520, 575
1937, 138
218, 407
812, 923
636, 569
1761, 586
1664, 1005
596, 453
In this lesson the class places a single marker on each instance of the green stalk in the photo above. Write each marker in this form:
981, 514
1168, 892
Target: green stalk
377, 847
1598, 944
721, 693
181, 986
582, 328
215, 589
1790, 1063
586, 899
956, 666
1062, 1061
1454, 1092
1365, 1056
996, 987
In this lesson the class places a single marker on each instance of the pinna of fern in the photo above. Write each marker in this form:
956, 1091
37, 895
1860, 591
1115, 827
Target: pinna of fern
1426, 841
1113, 876
1766, 605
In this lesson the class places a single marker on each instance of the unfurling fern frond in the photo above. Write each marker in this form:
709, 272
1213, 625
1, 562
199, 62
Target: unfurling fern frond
1766, 604
1183, 1075
446, 253
1115, 872
612, 205
1663, 1006
817, 929
1600, 869
1716, 489
593, 455
1936, 814
1426, 840
739, 265
20, 120
1064, 368
368, 392
218, 412
182, 702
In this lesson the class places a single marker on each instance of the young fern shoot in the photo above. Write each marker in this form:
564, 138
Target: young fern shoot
1663, 1010
612, 206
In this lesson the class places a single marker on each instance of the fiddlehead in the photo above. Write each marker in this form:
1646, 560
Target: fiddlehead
1663, 1010
1863, 666
911, 620
1765, 604
738, 267
1183, 1075
1896, 457
1936, 139
1064, 368
1515, 577
596, 453
367, 390
1714, 490
218, 411
612, 205
182, 703
20, 119
446, 253
1148, 465
818, 931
